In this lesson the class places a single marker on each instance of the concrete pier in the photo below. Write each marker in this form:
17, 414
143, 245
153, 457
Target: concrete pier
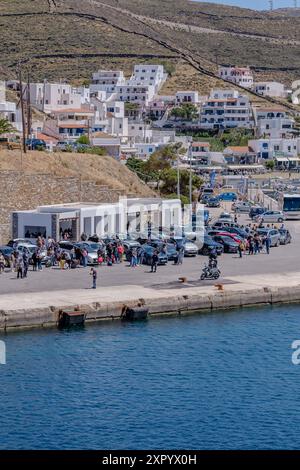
41, 309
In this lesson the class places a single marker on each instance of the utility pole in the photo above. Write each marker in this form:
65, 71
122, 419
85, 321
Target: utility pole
29, 116
178, 176
23, 115
190, 182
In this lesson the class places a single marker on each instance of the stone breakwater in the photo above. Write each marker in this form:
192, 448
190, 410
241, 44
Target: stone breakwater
36, 310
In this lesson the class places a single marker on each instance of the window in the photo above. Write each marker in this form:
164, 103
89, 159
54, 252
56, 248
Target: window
33, 231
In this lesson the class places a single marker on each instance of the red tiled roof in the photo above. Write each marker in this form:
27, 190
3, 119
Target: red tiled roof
46, 138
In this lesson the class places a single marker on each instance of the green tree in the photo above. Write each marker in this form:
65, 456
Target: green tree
162, 159
83, 140
270, 164
168, 178
186, 111
5, 126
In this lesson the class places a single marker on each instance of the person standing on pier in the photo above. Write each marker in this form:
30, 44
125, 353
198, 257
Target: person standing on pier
154, 262
95, 275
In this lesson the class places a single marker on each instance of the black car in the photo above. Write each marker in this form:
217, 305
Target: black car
230, 246
209, 244
148, 251
285, 236
171, 250
254, 211
213, 202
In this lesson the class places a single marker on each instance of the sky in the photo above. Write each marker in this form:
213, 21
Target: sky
254, 4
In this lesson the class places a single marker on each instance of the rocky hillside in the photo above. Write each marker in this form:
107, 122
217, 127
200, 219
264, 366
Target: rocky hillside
71, 38
41, 178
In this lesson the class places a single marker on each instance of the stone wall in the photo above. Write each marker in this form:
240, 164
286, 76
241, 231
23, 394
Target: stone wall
19, 191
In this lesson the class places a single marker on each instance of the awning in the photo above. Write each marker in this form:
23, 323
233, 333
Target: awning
245, 167
294, 159
282, 160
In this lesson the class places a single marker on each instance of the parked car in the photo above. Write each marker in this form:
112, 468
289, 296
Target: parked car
239, 231
66, 246
224, 233
213, 202
171, 250
92, 253
204, 198
285, 236
148, 251
31, 249
241, 207
225, 217
229, 196
6, 251
229, 245
270, 216
190, 249
272, 233
208, 244
36, 144
18, 241
256, 210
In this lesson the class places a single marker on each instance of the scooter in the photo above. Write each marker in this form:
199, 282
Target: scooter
210, 272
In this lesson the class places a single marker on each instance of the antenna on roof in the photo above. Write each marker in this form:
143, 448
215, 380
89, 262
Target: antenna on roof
271, 3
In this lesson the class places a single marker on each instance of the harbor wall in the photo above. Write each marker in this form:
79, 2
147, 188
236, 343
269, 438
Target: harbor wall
169, 305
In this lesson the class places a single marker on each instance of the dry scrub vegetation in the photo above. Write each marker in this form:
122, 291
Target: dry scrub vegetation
103, 170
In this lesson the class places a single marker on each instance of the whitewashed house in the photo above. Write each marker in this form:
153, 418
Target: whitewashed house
149, 75
273, 122
9, 110
107, 80
272, 89
226, 109
51, 96
183, 97
283, 150
241, 76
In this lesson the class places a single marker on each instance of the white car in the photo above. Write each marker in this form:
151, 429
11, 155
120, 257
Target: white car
225, 217
270, 216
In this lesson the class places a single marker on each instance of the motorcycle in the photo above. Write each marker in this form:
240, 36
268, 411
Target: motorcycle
210, 272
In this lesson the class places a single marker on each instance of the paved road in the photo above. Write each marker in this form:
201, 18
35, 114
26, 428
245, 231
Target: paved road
282, 259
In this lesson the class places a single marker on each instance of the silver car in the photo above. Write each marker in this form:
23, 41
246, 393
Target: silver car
241, 206
273, 234
270, 216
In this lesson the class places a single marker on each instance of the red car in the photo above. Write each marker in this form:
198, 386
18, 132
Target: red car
234, 236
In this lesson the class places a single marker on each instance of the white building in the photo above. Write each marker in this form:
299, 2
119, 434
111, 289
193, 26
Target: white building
273, 122
9, 110
94, 218
49, 96
226, 109
183, 97
241, 76
149, 75
133, 92
107, 80
276, 148
273, 89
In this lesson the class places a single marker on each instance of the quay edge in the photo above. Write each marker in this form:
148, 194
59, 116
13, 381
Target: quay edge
182, 304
